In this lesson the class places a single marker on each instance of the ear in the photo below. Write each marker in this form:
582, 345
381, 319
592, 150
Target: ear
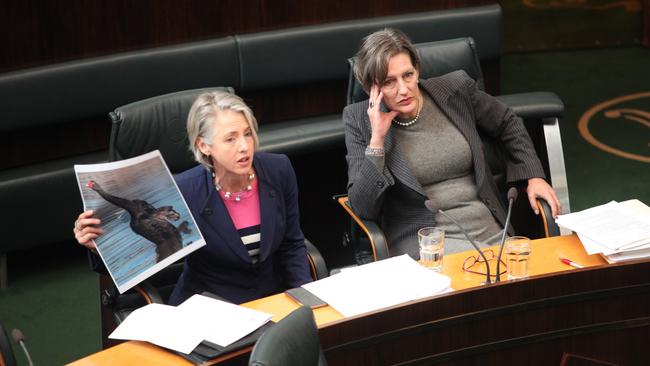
203, 147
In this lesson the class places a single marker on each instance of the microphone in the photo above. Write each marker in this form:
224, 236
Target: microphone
512, 197
432, 207
18, 336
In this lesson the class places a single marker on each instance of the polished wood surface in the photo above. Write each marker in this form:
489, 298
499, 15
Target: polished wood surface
544, 262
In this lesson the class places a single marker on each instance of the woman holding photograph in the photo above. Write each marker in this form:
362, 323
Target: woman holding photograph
245, 205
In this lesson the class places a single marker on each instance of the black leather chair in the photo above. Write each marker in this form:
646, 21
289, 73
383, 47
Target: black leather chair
7, 357
540, 111
293, 341
140, 127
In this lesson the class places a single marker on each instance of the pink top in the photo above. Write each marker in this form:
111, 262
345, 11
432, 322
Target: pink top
246, 212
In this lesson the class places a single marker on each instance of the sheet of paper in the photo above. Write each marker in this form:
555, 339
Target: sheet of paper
628, 255
611, 225
220, 322
377, 285
162, 325
181, 328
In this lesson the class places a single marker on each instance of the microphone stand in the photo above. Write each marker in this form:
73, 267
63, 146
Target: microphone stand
487, 265
20, 339
512, 196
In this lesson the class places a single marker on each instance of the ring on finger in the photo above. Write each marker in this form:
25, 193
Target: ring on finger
371, 104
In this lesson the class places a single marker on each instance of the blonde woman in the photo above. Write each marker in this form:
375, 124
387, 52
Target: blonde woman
245, 204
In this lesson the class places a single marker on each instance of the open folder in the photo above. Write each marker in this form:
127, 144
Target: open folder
182, 328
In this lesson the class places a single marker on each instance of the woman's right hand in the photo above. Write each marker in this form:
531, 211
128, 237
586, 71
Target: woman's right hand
86, 229
380, 121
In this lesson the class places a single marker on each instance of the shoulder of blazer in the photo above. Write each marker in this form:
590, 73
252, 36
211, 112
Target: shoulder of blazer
271, 167
356, 109
192, 180
448, 84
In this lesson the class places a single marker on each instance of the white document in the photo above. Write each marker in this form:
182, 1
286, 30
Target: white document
377, 285
628, 255
182, 328
611, 225
162, 325
221, 322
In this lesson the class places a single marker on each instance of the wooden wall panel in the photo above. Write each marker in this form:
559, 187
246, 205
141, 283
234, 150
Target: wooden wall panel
42, 32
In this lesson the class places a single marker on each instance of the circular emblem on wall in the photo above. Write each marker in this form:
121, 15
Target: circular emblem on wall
620, 126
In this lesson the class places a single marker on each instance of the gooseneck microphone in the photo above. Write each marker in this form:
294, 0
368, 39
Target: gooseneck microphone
432, 207
17, 335
512, 197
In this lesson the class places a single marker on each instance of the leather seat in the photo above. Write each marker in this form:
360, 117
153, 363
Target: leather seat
293, 341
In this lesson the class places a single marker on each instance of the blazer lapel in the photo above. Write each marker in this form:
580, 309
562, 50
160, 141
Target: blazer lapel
397, 164
268, 210
219, 219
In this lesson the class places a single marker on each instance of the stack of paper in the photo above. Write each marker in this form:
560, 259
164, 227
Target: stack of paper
618, 231
377, 285
181, 328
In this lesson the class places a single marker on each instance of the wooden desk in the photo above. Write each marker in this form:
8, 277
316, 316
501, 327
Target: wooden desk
592, 311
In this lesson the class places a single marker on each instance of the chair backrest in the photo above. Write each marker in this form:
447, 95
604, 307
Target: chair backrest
439, 58
7, 357
155, 123
293, 341
436, 59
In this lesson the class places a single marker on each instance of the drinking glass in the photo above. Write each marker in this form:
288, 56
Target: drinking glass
517, 250
432, 247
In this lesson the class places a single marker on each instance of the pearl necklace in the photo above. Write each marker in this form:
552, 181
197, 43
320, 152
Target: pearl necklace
411, 122
227, 195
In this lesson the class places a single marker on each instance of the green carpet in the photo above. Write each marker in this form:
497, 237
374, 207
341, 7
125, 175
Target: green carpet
53, 298
583, 79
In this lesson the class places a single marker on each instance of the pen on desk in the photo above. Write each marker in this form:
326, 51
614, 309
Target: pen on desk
571, 263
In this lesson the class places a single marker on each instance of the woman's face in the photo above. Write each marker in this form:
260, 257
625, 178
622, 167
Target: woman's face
232, 145
401, 93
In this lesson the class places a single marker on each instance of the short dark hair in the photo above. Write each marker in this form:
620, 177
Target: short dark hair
371, 65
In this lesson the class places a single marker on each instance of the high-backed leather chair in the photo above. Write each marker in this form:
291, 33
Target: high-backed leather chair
293, 341
159, 123
540, 112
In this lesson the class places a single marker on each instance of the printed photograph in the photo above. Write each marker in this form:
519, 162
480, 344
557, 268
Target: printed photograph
147, 225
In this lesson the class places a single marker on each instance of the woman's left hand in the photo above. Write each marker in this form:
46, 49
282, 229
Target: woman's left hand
538, 188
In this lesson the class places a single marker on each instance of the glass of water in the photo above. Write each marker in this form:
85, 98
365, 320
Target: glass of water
432, 247
517, 250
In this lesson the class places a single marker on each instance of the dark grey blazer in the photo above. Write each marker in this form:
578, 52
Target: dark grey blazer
395, 197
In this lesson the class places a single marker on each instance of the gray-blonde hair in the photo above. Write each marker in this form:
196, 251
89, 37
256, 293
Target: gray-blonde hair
200, 120
377, 48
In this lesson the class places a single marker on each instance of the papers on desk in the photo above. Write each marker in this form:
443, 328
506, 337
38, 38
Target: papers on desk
618, 231
181, 328
377, 285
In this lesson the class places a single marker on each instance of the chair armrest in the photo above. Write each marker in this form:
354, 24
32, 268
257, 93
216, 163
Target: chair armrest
317, 265
373, 231
123, 304
534, 105
551, 228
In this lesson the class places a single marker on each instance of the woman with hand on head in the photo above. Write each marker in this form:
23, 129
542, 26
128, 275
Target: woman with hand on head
415, 140
245, 204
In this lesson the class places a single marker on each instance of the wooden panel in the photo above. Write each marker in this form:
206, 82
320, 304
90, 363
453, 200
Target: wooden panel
601, 312
43, 32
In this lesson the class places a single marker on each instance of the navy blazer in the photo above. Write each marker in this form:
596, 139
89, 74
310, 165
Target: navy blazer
224, 266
